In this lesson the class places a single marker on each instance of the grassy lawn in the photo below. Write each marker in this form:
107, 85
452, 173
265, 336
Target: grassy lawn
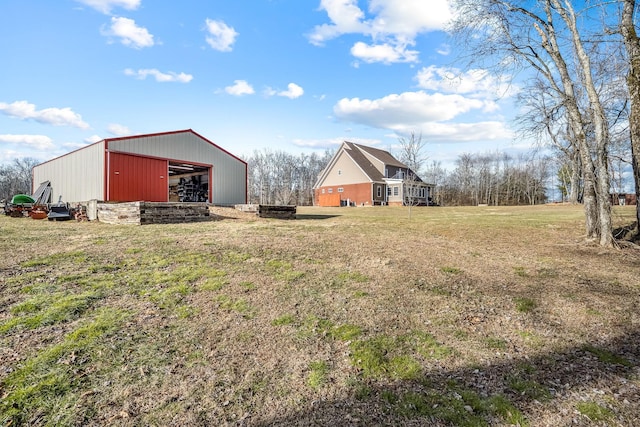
346, 316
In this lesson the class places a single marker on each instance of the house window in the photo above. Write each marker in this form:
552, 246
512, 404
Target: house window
395, 191
330, 190
388, 191
340, 189
379, 191
323, 191
339, 171
422, 192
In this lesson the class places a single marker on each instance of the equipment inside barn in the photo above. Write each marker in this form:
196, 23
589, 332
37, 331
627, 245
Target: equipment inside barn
188, 183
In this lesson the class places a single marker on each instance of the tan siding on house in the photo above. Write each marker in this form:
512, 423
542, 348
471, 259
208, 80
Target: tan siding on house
77, 176
350, 173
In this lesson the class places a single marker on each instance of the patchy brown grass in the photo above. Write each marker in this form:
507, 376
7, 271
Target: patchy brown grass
350, 316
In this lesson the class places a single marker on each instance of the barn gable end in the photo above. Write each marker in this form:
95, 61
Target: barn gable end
171, 166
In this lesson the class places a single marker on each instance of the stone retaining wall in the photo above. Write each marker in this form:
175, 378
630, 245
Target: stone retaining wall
279, 212
152, 212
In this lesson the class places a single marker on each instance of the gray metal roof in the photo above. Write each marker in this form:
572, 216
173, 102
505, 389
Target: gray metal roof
361, 160
384, 156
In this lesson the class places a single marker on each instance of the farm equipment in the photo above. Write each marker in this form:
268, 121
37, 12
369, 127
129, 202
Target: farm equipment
20, 205
59, 212
37, 206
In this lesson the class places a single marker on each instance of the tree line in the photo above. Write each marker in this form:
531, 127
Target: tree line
16, 177
496, 179
276, 177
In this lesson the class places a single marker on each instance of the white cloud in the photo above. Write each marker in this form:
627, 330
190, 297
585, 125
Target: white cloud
408, 107
239, 88
444, 50
38, 142
407, 18
129, 33
431, 114
318, 143
159, 76
269, 91
118, 130
71, 146
466, 132
221, 36
346, 18
294, 91
333, 142
105, 6
476, 82
53, 116
92, 139
393, 25
385, 53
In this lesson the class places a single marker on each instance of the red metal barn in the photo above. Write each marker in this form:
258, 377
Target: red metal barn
179, 166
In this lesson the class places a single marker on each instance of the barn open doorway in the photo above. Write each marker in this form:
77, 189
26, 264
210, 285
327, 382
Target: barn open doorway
189, 182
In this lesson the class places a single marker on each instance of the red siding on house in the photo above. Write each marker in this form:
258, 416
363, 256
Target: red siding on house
137, 178
360, 194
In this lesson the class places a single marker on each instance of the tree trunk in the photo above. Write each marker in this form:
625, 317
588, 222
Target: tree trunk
601, 128
576, 122
632, 45
574, 195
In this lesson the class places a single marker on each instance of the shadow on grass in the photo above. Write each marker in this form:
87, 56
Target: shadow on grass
311, 216
599, 375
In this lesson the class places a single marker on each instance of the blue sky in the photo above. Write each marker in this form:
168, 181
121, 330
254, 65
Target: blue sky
289, 75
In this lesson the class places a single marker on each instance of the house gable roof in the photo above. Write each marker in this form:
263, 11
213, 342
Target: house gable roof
353, 151
384, 156
358, 154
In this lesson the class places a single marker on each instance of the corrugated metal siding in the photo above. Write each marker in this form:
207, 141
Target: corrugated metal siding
229, 173
77, 176
135, 178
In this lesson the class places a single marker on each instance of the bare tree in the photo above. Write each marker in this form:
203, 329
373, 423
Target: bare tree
544, 116
632, 46
413, 191
543, 36
436, 174
278, 177
411, 152
496, 179
17, 177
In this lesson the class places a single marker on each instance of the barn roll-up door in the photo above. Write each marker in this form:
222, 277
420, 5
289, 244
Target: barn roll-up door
137, 178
